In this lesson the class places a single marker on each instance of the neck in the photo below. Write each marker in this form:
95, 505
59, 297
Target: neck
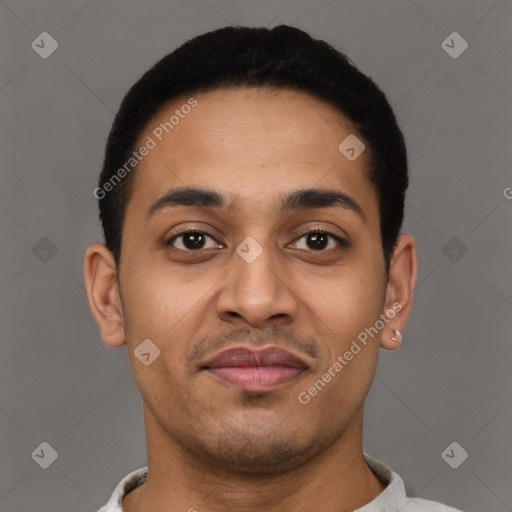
338, 479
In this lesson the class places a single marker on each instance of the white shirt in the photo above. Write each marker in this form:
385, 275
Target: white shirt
391, 499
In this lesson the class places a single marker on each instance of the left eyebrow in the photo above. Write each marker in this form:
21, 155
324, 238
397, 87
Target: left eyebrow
310, 198
303, 199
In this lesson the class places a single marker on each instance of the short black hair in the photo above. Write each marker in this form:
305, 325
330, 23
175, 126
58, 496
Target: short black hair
283, 57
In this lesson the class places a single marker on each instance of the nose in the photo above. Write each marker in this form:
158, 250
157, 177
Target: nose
256, 292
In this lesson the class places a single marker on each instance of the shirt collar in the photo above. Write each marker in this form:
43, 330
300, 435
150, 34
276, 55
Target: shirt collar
387, 501
391, 498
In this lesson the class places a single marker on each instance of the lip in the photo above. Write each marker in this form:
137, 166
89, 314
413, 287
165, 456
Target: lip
261, 369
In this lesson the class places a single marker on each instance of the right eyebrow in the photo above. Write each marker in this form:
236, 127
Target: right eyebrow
188, 196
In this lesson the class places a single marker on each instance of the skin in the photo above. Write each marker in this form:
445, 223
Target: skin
211, 446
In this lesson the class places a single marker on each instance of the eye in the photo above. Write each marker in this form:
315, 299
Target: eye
192, 240
320, 240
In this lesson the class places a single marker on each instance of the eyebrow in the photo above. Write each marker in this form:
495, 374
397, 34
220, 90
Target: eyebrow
303, 199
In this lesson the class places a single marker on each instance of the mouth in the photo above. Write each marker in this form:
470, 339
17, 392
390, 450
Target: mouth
257, 370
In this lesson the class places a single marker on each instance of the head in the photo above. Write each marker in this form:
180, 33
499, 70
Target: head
235, 138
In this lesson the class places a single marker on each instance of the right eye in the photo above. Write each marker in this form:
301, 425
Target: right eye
192, 240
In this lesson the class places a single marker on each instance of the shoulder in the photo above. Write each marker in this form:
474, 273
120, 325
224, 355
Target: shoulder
394, 496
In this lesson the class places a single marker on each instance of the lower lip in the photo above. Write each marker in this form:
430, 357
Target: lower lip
257, 379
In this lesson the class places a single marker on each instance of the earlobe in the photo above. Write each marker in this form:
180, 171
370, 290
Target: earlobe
391, 341
399, 292
100, 278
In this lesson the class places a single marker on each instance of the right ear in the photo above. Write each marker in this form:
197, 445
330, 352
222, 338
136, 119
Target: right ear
100, 276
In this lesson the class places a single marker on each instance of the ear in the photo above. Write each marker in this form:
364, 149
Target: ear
400, 289
103, 294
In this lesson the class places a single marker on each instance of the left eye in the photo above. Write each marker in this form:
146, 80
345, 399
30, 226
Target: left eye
318, 240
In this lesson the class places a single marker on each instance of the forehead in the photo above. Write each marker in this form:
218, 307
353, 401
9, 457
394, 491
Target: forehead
254, 145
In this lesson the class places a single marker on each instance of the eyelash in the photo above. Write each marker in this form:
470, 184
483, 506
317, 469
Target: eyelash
343, 243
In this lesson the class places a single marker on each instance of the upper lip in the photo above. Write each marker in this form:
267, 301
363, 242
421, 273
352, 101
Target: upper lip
255, 357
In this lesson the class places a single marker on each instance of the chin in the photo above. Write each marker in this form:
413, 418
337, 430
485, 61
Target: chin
257, 452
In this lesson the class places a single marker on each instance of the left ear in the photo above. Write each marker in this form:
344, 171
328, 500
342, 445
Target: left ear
400, 289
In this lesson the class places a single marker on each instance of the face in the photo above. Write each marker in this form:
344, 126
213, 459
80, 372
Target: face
253, 293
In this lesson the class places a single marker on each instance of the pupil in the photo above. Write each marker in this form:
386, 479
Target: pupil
319, 240
193, 240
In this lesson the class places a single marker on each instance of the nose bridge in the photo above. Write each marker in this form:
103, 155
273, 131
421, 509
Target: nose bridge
255, 266
255, 288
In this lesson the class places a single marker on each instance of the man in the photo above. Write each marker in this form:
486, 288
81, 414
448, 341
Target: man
252, 199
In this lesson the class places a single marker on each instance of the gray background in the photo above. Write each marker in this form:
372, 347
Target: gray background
450, 381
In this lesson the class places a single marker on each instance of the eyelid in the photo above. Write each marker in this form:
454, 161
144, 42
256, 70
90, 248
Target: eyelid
340, 240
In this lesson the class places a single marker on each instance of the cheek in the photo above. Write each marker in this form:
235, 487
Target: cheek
351, 306
172, 309
348, 301
160, 308
345, 311
158, 301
